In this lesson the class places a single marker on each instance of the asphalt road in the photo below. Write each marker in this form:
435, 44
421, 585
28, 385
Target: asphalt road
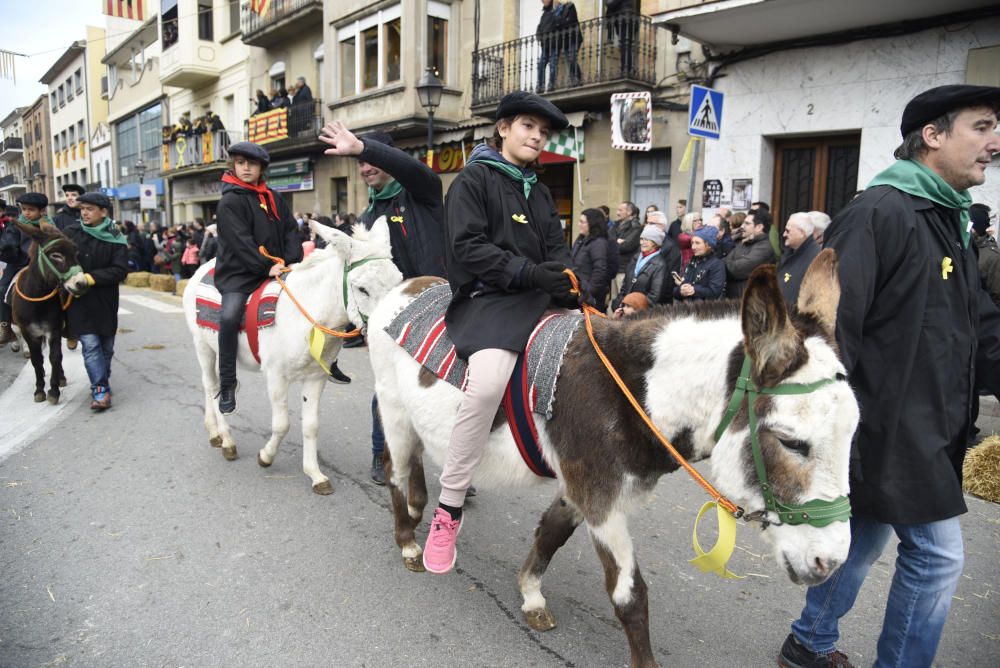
125, 540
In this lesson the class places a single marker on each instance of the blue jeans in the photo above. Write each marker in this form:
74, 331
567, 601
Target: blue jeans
928, 566
549, 58
378, 434
97, 353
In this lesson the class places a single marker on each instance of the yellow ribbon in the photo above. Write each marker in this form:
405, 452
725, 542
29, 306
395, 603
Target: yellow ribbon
685, 165
715, 560
317, 340
519, 218
946, 268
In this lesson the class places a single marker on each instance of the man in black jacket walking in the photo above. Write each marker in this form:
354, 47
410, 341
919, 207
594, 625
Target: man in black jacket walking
69, 213
915, 329
409, 194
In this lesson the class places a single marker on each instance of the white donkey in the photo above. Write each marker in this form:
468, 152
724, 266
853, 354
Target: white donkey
358, 270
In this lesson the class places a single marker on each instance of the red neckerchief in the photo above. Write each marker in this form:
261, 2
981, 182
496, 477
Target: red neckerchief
263, 192
655, 250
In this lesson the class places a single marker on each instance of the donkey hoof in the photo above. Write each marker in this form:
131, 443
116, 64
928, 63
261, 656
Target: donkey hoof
323, 488
540, 620
215, 441
229, 453
53, 398
62, 382
264, 464
414, 564
39, 397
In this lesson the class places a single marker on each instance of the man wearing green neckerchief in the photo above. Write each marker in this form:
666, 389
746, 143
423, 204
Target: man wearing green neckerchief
93, 314
917, 332
14, 248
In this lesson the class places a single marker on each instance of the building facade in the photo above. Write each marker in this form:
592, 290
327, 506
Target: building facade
38, 148
13, 179
814, 93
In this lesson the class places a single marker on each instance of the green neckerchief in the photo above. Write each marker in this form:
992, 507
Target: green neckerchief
918, 179
389, 191
105, 231
34, 223
527, 180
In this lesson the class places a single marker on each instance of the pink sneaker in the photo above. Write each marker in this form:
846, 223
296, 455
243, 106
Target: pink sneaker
439, 552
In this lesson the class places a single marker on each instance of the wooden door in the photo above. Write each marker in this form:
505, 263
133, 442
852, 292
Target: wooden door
814, 174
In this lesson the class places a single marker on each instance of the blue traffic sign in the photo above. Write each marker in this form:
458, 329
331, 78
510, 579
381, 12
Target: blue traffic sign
705, 113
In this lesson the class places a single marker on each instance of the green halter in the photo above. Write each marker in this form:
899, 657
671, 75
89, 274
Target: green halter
348, 269
47, 266
817, 512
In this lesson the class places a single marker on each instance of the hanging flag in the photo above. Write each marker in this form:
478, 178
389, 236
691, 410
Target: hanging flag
126, 9
7, 65
260, 6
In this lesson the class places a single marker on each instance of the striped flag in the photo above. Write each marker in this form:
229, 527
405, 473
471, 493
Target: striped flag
126, 9
260, 6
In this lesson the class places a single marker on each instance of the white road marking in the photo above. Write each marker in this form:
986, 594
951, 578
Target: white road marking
124, 311
151, 303
24, 420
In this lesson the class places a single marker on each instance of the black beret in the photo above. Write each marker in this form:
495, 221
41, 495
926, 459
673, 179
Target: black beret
380, 137
73, 188
521, 102
937, 102
37, 200
250, 150
97, 199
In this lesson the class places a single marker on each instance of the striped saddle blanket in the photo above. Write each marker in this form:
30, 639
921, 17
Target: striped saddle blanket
259, 311
420, 330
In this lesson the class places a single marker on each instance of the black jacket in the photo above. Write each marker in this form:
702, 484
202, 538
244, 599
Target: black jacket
96, 312
590, 263
415, 216
302, 95
14, 246
707, 274
672, 260
627, 231
243, 226
487, 251
792, 268
989, 266
913, 323
742, 260
649, 282
65, 217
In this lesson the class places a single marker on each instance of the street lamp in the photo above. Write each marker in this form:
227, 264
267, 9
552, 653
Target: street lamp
429, 91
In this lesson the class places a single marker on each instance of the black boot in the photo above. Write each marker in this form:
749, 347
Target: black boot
378, 470
354, 342
338, 376
227, 399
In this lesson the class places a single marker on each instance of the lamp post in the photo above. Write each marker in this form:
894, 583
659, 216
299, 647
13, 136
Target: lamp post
429, 91
140, 170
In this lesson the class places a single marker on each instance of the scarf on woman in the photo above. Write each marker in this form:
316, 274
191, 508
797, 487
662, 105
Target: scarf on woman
644, 258
490, 156
105, 231
263, 193
916, 178
388, 191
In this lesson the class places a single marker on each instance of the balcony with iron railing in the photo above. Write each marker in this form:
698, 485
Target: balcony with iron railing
11, 148
284, 19
13, 181
572, 67
287, 129
194, 152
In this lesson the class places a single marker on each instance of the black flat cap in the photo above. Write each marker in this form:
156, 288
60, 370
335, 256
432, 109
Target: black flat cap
937, 102
520, 102
250, 150
380, 137
97, 199
73, 188
37, 200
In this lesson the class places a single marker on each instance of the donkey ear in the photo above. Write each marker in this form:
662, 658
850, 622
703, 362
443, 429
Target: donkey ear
770, 339
335, 239
379, 233
819, 295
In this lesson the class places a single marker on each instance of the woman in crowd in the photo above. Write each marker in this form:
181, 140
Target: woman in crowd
506, 262
590, 256
250, 215
646, 271
689, 223
705, 275
263, 104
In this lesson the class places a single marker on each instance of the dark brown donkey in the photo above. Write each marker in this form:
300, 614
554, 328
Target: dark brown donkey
37, 300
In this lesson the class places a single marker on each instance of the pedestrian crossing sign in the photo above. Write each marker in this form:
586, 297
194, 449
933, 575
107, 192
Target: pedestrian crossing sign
705, 113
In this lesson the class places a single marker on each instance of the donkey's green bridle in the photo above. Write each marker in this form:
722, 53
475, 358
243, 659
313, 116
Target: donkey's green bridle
817, 512
347, 270
46, 265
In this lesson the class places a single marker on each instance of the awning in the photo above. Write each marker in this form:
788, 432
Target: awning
277, 68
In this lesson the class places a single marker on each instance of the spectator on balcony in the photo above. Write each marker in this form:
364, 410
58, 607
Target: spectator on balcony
548, 56
69, 213
623, 22
303, 93
263, 103
280, 99
570, 38
214, 122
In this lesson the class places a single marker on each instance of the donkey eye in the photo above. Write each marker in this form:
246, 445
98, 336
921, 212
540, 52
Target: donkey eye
794, 445
363, 291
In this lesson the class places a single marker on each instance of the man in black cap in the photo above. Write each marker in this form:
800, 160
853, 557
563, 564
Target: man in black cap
69, 213
14, 248
913, 316
93, 314
409, 194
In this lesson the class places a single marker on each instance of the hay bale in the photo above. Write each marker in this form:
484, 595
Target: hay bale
181, 284
981, 471
162, 282
138, 279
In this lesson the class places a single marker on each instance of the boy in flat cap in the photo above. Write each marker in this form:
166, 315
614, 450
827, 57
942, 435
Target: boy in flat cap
69, 213
506, 260
250, 215
93, 314
14, 248
913, 314
409, 194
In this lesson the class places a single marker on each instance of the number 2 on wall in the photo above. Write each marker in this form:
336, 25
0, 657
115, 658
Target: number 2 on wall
809, 109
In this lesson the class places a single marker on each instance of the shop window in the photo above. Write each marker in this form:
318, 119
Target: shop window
205, 20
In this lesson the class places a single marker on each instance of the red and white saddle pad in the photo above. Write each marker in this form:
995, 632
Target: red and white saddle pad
259, 311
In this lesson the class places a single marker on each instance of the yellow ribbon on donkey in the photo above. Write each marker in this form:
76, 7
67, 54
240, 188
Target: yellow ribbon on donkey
714, 561
317, 339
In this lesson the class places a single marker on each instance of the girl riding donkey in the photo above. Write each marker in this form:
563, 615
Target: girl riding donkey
250, 215
505, 258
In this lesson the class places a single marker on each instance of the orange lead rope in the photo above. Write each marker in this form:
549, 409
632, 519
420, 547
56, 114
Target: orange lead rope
589, 310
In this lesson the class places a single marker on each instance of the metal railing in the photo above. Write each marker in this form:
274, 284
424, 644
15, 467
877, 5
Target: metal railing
12, 143
192, 150
299, 121
251, 22
602, 50
12, 179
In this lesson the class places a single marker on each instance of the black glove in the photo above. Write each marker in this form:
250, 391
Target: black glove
548, 277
